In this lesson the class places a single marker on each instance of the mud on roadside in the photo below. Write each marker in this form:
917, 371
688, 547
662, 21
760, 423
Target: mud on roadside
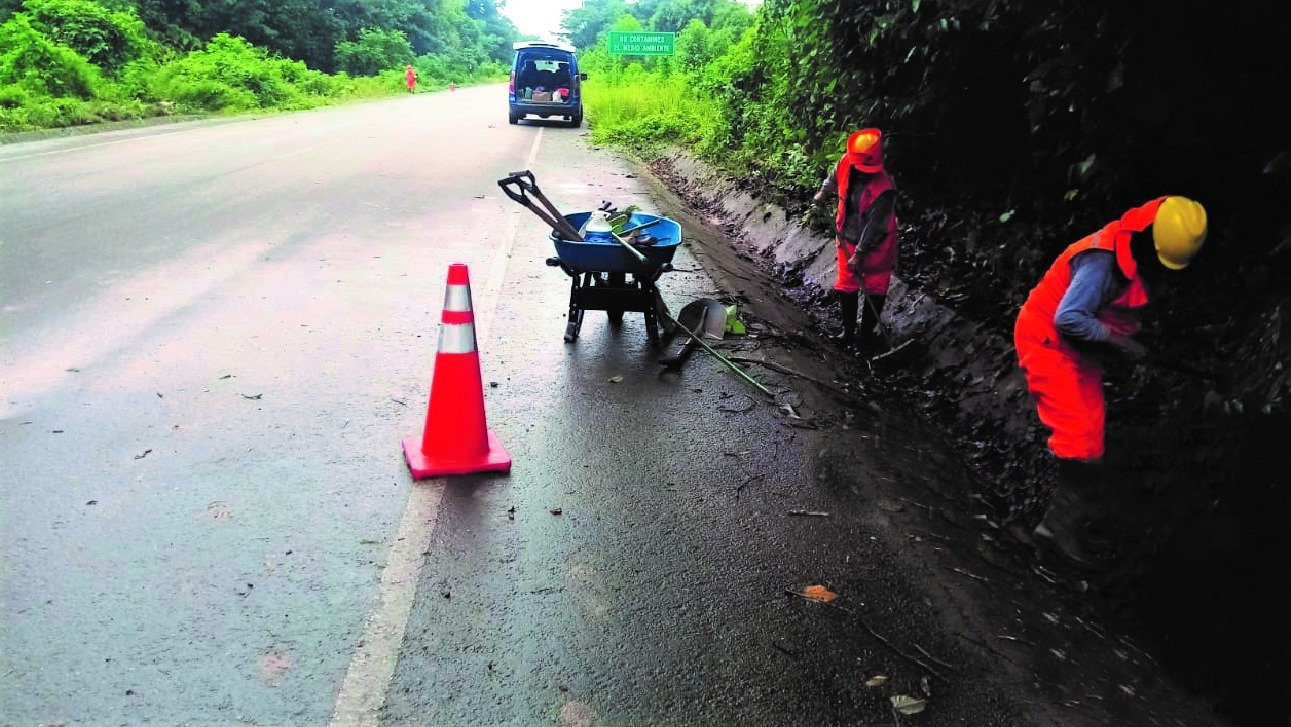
1186, 581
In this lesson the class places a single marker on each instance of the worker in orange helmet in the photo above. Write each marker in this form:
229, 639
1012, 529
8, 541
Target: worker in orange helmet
866, 226
410, 78
1085, 307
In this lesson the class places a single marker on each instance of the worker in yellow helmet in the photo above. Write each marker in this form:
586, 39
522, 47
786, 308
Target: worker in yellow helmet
1087, 306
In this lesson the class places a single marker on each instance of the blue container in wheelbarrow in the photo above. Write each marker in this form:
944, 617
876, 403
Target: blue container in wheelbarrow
610, 257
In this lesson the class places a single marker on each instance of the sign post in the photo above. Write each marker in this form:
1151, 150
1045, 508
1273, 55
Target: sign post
633, 43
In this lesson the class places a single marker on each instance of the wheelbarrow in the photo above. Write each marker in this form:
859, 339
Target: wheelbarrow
615, 276
607, 277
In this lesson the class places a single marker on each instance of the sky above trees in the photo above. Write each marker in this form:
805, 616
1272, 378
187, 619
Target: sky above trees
542, 18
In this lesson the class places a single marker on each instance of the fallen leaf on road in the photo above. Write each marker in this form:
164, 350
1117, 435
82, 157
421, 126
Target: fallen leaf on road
905, 704
616, 379
577, 714
876, 681
274, 665
819, 593
556, 511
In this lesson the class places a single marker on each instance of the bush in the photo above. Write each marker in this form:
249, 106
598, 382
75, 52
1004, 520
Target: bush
229, 74
32, 60
107, 38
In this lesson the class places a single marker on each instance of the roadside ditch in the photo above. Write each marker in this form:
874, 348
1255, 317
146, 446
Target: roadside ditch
1198, 510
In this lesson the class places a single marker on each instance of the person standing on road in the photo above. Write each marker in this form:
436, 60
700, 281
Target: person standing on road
410, 78
866, 226
1085, 307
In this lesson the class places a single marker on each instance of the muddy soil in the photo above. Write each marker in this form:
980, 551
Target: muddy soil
1197, 597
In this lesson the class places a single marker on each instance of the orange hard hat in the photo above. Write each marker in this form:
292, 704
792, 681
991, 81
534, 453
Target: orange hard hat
865, 150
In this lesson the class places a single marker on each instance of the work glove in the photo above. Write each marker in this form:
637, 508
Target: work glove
1127, 347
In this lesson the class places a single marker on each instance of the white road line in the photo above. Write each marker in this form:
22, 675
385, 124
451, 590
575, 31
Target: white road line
372, 667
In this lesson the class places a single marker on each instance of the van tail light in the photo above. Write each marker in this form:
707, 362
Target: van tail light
512, 87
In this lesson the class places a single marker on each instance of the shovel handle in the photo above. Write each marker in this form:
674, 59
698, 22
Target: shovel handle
515, 179
525, 180
524, 185
641, 226
641, 258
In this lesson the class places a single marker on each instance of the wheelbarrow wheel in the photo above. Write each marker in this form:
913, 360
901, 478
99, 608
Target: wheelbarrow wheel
617, 280
573, 325
574, 318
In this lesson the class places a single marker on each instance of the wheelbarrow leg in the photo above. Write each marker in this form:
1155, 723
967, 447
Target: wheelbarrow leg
655, 313
574, 319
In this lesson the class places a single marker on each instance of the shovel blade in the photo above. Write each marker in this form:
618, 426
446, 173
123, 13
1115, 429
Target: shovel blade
681, 346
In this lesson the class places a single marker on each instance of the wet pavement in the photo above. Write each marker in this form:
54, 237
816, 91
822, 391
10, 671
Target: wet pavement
208, 486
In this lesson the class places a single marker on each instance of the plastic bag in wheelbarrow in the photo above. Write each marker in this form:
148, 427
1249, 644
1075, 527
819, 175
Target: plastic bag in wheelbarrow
610, 256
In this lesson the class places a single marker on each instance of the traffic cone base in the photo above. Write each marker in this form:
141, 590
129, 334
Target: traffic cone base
422, 465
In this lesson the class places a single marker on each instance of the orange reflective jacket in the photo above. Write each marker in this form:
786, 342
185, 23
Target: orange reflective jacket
1121, 315
877, 265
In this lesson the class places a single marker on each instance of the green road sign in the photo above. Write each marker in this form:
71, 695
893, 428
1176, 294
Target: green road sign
624, 43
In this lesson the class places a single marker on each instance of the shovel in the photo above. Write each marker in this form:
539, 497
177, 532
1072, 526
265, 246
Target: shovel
887, 332
525, 185
714, 353
524, 182
707, 318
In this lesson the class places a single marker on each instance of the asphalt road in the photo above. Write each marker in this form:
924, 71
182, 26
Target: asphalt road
215, 336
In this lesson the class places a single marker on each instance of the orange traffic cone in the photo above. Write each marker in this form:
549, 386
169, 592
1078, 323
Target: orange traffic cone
456, 440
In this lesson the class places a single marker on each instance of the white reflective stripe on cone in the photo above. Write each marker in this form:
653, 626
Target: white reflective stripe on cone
457, 338
457, 298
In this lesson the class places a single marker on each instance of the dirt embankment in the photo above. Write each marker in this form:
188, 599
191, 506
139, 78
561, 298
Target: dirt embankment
1192, 464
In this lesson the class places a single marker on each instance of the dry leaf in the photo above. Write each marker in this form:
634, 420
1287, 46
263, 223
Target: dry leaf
905, 704
819, 593
877, 680
890, 505
615, 379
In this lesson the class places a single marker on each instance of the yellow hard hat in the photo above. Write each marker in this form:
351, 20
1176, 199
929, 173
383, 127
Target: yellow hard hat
1178, 231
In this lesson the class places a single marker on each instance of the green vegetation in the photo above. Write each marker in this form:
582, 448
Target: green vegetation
74, 62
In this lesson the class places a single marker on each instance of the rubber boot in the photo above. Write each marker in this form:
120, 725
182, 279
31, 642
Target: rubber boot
1066, 530
850, 303
872, 342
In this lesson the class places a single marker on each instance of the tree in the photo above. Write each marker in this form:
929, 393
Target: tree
584, 25
376, 50
673, 15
